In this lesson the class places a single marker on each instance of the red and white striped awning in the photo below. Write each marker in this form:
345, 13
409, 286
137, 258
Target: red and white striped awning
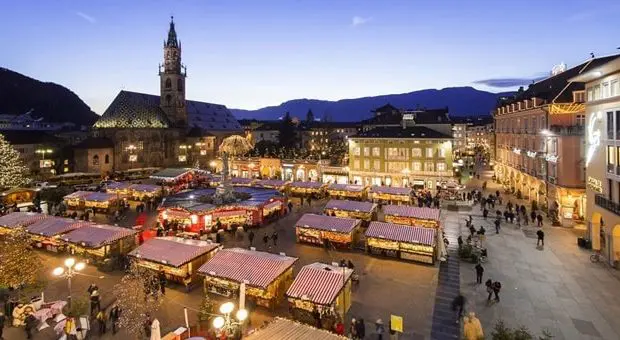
401, 233
258, 268
172, 251
346, 187
391, 190
53, 226
97, 235
21, 219
351, 205
328, 223
410, 211
319, 283
228, 213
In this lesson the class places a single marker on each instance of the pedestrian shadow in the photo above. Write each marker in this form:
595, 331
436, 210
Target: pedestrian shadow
540, 248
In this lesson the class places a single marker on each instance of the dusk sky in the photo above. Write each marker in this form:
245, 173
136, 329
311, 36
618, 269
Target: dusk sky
249, 54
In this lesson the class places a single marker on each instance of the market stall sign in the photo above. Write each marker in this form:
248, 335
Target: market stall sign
396, 323
595, 184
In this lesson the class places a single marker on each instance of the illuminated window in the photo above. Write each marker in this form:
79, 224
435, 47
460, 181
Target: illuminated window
376, 151
366, 164
392, 152
96, 160
416, 152
356, 164
441, 166
203, 152
429, 152
356, 151
366, 151
429, 166
442, 152
417, 166
376, 165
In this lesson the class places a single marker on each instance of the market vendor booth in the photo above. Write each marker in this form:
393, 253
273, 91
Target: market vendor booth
75, 200
305, 189
99, 241
177, 179
266, 276
119, 188
101, 201
293, 330
46, 233
178, 258
402, 241
390, 195
323, 288
365, 211
242, 182
19, 219
18, 197
327, 230
347, 191
272, 184
409, 215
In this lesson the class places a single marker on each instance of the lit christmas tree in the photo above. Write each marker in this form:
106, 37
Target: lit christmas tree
20, 265
12, 169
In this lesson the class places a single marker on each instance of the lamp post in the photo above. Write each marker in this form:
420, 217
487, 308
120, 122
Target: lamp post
225, 322
72, 269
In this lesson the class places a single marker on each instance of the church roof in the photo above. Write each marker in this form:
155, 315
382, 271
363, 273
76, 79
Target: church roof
140, 110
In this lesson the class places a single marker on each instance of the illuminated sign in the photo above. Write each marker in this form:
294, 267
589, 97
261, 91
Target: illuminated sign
46, 163
595, 184
182, 158
408, 116
593, 136
133, 158
551, 158
531, 154
517, 151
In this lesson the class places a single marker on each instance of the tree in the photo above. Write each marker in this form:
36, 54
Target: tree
206, 308
139, 296
309, 117
12, 169
503, 332
20, 265
287, 136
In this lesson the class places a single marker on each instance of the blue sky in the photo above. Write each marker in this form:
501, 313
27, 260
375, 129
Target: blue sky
249, 54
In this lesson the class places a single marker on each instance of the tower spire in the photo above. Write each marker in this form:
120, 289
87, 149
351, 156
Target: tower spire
172, 35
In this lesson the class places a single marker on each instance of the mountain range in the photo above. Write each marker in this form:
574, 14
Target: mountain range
461, 101
20, 94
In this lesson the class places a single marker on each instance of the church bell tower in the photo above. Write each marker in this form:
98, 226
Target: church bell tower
172, 80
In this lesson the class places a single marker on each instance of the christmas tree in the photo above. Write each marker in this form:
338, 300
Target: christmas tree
12, 169
20, 265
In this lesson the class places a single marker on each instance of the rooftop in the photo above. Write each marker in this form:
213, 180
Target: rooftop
414, 132
320, 283
285, 329
172, 251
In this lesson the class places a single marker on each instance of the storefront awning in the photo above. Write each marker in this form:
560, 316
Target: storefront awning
328, 223
401, 233
346, 205
172, 251
319, 283
20, 219
414, 212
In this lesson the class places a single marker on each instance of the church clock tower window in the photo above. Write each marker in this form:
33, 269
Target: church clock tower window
172, 100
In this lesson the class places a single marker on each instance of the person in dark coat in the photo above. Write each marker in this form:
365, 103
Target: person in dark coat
497, 222
360, 328
274, 238
479, 272
533, 216
266, 240
489, 285
458, 304
539, 218
115, 314
541, 237
31, 323
251, 237
162, 281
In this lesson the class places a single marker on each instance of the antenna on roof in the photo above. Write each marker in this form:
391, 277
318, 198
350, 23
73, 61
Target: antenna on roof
591, 55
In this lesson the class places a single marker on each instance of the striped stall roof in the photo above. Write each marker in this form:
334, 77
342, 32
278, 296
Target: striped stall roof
410, 211
391, 190
145, 187
346, 187
241, 180
21, 219
319, 283
350, 205
311, 185
173, 251
100, 197
285, 329
270, 183
97, 235
53, 226
328, 223
118, 185
77, 195
401, 233
259, 268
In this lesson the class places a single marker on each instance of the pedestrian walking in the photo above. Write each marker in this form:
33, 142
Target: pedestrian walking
458, 304
265, 240
472, 329
353, 329
339, 328
91, 288
541, 237
94, 302
251, 237
497, 286
497, 222
162, 281
539, 218
274, 238
533, 216
360, 327
489, 285
379, 328
101, 320
31, 323
115, 314
479, 272
2, 320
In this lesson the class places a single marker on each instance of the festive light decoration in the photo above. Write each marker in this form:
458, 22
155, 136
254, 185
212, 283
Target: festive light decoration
19, 263
139, 297
12, 169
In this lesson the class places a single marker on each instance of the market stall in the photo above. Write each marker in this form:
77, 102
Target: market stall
293, 330
272, 184
242, 182
178, 258
144, 192
46, 233
402, 241
100, 241
19, 219
75, 200
324, 288
101, 201
177, 179
365, 211
266, 276
119, 188
305, 189
327, 230
18, 197
347, 191
409, 215
390, 195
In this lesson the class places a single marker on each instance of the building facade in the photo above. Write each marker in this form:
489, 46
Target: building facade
602, 87
540, 143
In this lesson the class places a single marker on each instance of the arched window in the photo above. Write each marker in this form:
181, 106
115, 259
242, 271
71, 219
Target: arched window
180, 85
168, 99
96, 160
107, 159
168, 83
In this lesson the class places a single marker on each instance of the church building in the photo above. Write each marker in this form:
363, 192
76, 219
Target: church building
166, 130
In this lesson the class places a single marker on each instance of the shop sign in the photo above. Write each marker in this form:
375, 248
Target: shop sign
517, 151
595, 184
531, 154
396, 323
593, 136
551, 158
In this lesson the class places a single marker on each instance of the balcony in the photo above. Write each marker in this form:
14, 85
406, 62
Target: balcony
607, 204
573, 130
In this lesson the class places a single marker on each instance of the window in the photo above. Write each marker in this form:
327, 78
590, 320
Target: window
376, 165
416, 152
596, 92
366, 164
402, 152
441, 166
611, 161
376, 151
356, 164
590, 94
605, 90
392, 152
617, 124
429, 152
168, 83
543, 123
615, 88
610, 125
581, 120
366, 151
180, 85
356, 151
442, 152
429, 166
107, 159
610, 189
417, 166
96, 160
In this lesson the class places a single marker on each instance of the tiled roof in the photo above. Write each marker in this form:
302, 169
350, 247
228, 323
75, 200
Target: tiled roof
410, 211
328, 223
401, 233
319, 283
97, 235
416, 132
173, 251
258, 268
211, 117
350, 205
285, 329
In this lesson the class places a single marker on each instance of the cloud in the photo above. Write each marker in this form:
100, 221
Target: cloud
358, 21
510, 82
86, 17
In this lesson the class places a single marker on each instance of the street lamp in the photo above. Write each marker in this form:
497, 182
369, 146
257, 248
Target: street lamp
225, 322
213, 164
72, 269
42, 152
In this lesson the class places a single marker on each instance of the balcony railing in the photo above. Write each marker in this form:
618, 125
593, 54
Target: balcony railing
607, 204
573, 130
